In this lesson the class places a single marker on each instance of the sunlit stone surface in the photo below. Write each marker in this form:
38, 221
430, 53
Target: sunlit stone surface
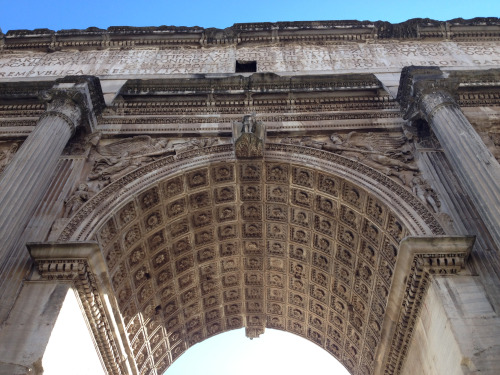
188, 183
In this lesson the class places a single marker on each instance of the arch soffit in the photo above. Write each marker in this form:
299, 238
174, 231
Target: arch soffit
406, 206
186, 263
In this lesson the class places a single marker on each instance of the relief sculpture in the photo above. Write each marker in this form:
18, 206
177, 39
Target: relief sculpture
423, 190
7, 154
495, 139
114, 160
391, 155
249, 136
77, 199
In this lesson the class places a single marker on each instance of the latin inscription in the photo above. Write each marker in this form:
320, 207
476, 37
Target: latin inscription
289, 58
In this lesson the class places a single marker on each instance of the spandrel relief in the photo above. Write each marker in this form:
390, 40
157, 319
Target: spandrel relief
423, 190
7, 152
488, 129
79, 196
494, 136
114, 159
81, 144
389, 153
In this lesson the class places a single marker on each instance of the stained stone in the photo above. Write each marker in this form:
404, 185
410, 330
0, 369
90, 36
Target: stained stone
186, 198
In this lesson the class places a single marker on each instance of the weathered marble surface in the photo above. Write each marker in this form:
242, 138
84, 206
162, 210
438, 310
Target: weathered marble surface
305, 239
348, 57
457, 332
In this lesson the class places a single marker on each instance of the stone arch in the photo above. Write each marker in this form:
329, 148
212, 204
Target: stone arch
201, 243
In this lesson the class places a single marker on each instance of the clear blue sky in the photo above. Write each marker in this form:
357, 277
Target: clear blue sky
69, 14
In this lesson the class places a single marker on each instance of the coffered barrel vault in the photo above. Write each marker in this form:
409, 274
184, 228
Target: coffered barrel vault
281, 176
254, 244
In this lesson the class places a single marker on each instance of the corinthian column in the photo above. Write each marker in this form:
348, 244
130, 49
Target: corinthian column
426, 93
26, 179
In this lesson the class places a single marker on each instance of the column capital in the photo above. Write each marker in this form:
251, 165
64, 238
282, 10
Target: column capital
77, 99
430, 83
63, 104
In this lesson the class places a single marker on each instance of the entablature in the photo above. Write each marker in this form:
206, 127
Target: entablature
209, 105
242, 34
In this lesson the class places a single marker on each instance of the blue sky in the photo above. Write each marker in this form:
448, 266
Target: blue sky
274, 352
58, 14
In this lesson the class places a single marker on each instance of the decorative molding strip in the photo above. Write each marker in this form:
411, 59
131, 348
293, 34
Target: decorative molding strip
85, 220
82, 264
251, 33
277, 123
419, 259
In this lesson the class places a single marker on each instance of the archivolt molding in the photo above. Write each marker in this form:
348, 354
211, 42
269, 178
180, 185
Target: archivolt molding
416, 216
302, 240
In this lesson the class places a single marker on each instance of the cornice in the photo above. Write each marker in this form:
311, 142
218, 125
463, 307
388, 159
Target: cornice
467, 88
29, 95
419, 260
12, 93
251, 33
83, 265
74, 98
95, 100
257, 82
260, 93
151, 104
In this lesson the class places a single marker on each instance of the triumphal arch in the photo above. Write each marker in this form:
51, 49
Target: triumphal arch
337, 180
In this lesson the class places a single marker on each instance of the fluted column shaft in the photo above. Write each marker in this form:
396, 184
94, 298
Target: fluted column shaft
476, 167
25, 180
427, 92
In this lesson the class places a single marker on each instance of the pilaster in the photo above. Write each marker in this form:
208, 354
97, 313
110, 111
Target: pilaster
419, 260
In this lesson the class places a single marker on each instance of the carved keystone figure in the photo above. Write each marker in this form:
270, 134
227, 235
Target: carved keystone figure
249, 138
